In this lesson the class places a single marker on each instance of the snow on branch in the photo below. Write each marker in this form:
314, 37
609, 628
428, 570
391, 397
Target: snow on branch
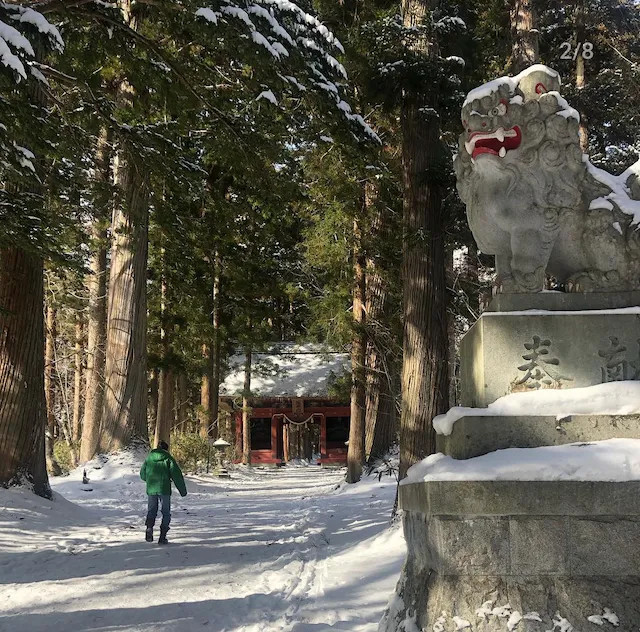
15, 47
269, 96
26, 15
297, 43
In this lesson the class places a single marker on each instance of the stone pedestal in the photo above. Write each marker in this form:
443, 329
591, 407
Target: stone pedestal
529, 556
507, 352
474, 436
565, 550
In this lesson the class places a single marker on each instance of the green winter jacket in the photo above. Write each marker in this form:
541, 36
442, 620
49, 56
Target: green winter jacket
158, 470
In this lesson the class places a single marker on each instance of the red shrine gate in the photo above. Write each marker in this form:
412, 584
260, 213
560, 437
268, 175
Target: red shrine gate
283, 428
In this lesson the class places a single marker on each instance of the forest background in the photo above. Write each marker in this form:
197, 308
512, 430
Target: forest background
185, 182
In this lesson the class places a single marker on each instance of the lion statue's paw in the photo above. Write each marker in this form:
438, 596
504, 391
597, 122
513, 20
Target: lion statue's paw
520, 282
594, 281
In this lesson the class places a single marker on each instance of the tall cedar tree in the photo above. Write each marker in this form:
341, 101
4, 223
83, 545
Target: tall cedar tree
425, 344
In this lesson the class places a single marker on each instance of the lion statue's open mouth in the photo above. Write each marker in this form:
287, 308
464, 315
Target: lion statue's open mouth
497, 143
541, 207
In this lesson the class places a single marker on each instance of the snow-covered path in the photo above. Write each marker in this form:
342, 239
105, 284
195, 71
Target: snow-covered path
291, 549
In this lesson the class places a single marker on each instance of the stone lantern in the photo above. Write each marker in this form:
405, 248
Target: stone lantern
219, 446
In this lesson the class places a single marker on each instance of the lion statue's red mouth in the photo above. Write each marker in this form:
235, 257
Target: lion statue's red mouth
497, 143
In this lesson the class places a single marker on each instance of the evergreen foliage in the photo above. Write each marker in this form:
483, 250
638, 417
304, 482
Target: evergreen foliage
266, 129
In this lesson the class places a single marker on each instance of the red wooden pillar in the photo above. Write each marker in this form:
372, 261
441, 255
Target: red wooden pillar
274, 438
323, 437
238, 436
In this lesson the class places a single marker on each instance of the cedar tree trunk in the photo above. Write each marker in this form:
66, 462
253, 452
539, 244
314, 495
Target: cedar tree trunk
425, 340
380, 418
22, 396
124, 415
77, 380
524, 34
356, 454
97, 320
50, 390
205, 393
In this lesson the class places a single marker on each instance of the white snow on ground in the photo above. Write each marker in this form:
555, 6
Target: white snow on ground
610, 460
614, 398
287, 369
291, 549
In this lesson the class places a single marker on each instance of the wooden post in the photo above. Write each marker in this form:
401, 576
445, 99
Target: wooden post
238, 418
274, 438
323, 437
285, 441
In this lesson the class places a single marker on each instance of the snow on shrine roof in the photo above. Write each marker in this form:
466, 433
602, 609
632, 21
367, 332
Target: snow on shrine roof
287, 369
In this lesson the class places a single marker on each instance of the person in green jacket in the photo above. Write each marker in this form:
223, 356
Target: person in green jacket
158, 470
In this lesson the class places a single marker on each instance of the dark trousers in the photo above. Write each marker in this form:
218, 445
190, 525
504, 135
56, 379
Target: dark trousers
152, 511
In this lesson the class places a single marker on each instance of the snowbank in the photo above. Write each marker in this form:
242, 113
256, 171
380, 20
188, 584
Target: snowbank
615, 398
612, 460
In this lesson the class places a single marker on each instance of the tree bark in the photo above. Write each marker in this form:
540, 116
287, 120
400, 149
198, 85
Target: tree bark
97, 321
380, 418
166, 381
152, 413
356, 453
246, 410
125, 399
524, 33
77, 379
425, 340
50, 391
23, 412
214, 390
183, 403
124, 416
205, 393
165, 407
22, 395
580, 73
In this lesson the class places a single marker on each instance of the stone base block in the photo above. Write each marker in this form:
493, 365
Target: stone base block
524, 528
506, 352
529, 556
474, 436
563, 301
523, 604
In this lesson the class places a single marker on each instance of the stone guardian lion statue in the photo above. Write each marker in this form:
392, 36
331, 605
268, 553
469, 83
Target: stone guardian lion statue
534, 200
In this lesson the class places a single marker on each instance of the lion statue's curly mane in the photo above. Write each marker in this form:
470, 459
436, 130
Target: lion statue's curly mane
533, 198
